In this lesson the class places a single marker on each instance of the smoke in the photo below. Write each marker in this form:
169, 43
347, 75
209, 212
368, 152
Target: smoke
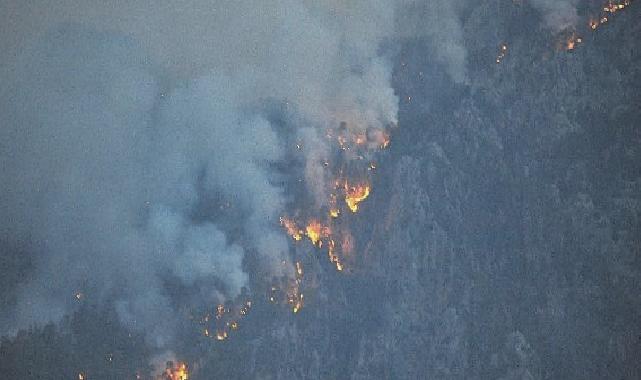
138, 147
557, 14
104, 180
440, 22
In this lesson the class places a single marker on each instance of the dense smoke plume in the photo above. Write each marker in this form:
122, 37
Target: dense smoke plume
139, 140
140, 152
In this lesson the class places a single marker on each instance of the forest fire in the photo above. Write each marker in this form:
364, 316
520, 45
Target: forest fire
292, 296
313, 232
334, 211
224, 319
386, 141
178, 371
291, 228
609, 8
221, 335
316, 232
348, 181
354, 161
607, 12
355, 195
572, 42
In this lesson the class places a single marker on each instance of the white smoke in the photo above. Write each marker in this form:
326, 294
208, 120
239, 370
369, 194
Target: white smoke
557, 14
440, 22
138, 147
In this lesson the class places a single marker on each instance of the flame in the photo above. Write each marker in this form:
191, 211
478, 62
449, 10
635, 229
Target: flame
334, 211
333, 258
81, 376
176, 372
571, 42
291, 228
610, 7
315, 231
225, 320
351, 155
355, 195
221, 335
386, 140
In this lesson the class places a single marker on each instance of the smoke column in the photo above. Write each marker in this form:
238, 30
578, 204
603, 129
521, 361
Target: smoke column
138, 144
139, 152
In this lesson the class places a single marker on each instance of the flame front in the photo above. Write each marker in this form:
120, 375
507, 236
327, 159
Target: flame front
355, 195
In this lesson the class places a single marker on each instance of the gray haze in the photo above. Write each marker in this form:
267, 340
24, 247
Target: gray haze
558, 14
148, 149
120, 129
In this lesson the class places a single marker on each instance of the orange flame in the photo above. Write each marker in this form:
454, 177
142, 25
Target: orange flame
176, 372
315, 231
291, 228
355, 195
334, 211
333, 258
571, 42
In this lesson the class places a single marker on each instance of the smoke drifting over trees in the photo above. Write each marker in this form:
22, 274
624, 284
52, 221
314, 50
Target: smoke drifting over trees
126, 139
149, 149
